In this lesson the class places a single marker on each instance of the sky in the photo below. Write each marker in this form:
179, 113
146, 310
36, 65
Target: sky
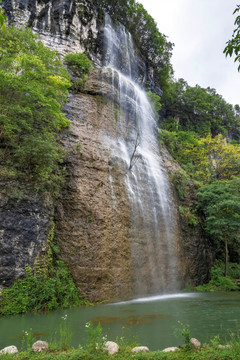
200, 29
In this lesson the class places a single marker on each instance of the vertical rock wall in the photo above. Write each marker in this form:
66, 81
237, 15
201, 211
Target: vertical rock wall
92, 218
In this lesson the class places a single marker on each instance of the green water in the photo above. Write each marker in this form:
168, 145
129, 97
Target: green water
150, 322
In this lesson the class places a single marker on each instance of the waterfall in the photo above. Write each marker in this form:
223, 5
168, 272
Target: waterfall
154, 246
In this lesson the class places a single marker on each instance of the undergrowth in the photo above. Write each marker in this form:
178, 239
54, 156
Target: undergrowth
218, 281
46, 286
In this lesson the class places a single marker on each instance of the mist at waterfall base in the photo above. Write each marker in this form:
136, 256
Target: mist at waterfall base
153, 241
151, 323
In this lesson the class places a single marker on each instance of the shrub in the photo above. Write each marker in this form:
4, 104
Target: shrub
80, 65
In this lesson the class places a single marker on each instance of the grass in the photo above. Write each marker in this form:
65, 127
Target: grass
94, 348
206, 353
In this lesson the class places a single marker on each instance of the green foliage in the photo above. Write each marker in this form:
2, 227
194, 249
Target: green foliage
63, 337
218, 281
47, 286
200, 110
34, 293
33, 89
221, 203
3, 19
180, 180
206, 159
28, 340
233, 45
80, 65
188, 216
184, 331
208, 352
155, 101
95, 340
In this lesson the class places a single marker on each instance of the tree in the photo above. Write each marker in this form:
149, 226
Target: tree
3, 19
221, 204
233, 45
33, 88
200, 110
206, 159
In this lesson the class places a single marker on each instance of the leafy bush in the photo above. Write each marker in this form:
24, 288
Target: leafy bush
218, 281
188, 216
47, 286
95, 340
33, 88
37, 293
80, 65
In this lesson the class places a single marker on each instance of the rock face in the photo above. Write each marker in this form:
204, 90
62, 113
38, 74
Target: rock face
93, 233
63, 25
23, 231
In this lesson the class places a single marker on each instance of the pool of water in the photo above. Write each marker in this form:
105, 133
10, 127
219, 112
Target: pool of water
148, 321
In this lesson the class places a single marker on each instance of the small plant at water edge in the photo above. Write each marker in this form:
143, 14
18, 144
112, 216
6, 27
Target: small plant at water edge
95, 340
62, 337
184, 331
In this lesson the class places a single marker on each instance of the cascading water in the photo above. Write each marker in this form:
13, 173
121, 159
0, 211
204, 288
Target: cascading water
153, 238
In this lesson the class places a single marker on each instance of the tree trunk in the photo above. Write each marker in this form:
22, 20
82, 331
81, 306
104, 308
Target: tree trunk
226, 257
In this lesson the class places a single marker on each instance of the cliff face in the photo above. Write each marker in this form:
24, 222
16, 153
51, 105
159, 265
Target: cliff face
24, 229
93, 228
63, 25
94, 215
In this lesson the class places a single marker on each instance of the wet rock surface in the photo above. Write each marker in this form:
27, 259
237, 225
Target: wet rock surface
92, 218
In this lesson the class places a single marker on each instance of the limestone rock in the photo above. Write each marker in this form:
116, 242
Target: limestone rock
40, 346
24, 228
111, 347
195, 343
138, 349
169, 349
9, 350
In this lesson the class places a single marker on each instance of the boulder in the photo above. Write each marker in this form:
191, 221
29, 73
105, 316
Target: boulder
138, 349
195, 343
169, 349
9, 350
111, 347
40, 346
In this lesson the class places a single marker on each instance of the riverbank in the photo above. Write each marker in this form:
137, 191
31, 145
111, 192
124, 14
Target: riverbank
205, 353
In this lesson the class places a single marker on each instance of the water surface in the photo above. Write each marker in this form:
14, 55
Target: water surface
149, 321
